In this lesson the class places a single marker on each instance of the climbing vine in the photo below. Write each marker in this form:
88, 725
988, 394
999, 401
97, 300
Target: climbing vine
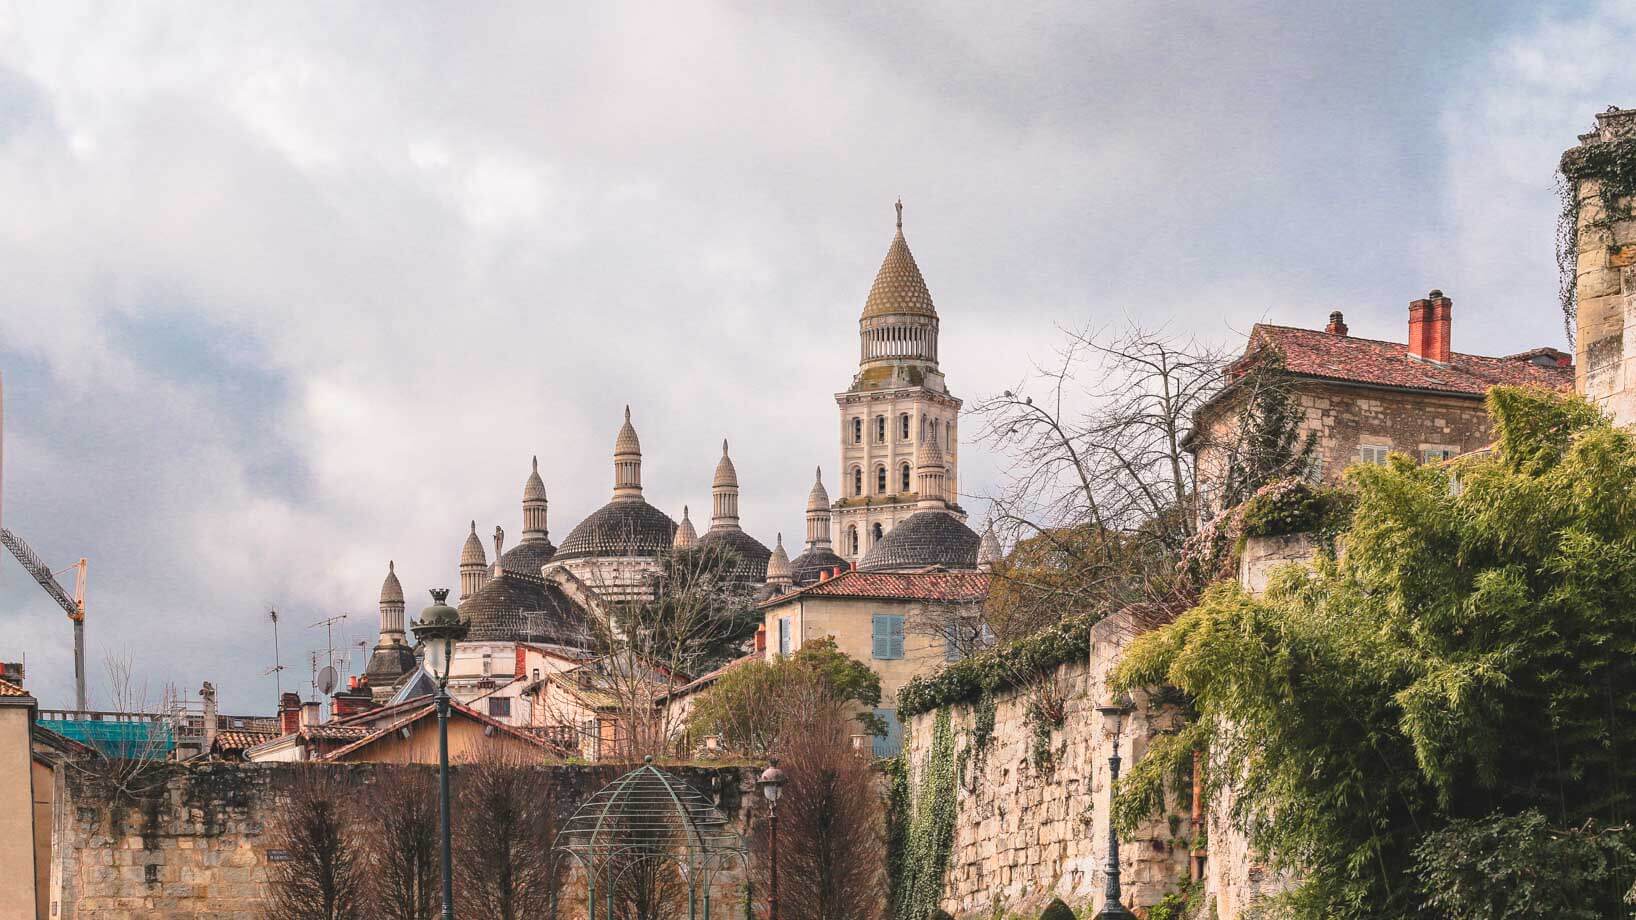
1613, 165
920, 844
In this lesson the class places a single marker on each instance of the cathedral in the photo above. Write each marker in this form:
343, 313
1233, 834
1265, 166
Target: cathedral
896, 511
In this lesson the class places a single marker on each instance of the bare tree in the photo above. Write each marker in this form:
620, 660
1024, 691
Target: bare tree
130, 761
406, 878
832, 843
321, 876
693, 615
507, 828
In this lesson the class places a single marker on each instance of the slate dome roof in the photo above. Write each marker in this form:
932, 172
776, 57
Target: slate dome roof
925, 538
807, 567
623, 527
752, 556
516, 607
528, 556
388, 663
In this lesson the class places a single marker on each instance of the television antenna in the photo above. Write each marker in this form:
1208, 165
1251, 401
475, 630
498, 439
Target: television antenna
277, 670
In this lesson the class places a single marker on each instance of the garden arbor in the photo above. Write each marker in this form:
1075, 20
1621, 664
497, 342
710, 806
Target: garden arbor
649, 844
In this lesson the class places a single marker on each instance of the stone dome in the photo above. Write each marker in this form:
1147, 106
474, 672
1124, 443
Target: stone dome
388, 663
626, 441
516, 607
391, 588
925, 538
623, 527
472, 552
989, 552
808, 567
528, 556
752, 556
534, 486
818, 498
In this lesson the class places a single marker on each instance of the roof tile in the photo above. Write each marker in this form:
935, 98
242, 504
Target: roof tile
1313, 353
952, 587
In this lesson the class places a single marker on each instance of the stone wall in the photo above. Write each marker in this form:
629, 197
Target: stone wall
1025, 833
201, 848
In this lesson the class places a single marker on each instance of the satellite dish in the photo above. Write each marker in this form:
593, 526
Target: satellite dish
326, 679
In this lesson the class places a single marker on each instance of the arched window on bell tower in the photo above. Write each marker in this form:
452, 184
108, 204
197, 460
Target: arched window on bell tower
903, 478
857, 480
857, 430
903, 427
880, 479
875, 534
852, 539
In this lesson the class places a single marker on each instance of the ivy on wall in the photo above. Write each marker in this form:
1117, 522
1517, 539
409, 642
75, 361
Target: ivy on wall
921, 825
1612, 164
999, 668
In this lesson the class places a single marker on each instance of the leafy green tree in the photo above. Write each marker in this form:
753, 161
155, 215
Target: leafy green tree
1269, 443
1471, 655
742, 706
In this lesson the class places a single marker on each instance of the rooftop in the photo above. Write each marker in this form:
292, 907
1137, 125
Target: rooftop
1348, 359
947, 587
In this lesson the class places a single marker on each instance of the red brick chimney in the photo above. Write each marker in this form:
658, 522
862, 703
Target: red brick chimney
1429, 322
289, 713
1337, 324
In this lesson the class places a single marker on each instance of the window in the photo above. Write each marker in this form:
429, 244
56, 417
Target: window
887, 637
880, 479
877, 534
852, 540
488, 663
1437, 454
903, 427
783, 636
880, 429
1314, 471
500, 707
857, 431
903, 475
953, 647
1373, 453
889, 744
536, 674
857, 480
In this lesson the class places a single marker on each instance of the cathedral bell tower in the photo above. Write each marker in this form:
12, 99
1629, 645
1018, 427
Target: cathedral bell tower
897, 401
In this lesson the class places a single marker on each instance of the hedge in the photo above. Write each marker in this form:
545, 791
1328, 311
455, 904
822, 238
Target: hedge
999, 668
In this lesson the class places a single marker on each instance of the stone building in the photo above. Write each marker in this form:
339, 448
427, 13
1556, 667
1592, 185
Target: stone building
897, 401
1365, 398
1605, 261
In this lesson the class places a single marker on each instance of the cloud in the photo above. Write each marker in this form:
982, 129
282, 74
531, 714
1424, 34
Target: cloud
295, 290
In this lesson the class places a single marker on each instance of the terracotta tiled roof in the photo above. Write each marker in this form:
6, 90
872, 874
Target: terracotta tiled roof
949, 587
239, 740
456, 707
1312, 353
7, 688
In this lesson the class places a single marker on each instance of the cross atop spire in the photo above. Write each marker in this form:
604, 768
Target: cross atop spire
900, 213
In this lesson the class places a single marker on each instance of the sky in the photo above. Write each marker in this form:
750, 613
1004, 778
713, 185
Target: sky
289, 290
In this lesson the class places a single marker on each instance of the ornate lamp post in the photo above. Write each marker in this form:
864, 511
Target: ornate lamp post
1114, 713
772, 783
438, 629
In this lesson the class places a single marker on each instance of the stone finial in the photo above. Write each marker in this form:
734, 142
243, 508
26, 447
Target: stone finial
685, 536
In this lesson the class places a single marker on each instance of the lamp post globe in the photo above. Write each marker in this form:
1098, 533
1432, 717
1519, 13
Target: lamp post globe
1114, 713
439, 628
771, 784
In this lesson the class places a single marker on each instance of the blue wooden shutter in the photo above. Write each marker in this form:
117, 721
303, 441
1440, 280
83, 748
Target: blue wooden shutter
895, 623
880, 638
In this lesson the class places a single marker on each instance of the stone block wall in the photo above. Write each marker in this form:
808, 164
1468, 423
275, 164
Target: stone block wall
1026, 834
201, 848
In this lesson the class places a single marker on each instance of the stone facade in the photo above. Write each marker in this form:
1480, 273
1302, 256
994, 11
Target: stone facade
1026, 834
1605, 283
202, 848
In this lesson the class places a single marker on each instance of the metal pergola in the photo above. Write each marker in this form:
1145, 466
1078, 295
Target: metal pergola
643, 841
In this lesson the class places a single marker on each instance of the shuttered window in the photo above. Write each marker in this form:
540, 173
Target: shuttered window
887, 636
784, 636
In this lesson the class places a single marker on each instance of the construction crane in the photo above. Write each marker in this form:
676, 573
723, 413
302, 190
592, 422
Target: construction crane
74, 606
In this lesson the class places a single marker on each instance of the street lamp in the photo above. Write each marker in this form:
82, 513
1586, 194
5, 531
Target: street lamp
772, 783
1113, 713
438, 629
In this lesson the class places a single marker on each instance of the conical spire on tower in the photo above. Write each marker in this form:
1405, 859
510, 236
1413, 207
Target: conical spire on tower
931, 475
474, 566
627, 462
899, 322
988, 551
778, 566
724, 494
686, 536
535, 505
391, 606
818, 513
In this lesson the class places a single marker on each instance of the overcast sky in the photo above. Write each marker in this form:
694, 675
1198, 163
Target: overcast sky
284, 295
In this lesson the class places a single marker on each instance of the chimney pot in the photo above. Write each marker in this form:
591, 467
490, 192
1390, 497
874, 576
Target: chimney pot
289, 713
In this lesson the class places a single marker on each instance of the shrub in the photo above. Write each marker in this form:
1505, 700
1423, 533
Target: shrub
1293, 506
1002, 667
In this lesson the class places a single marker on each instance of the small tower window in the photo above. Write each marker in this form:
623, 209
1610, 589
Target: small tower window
903, 427
875, 534
880, 429
857, 480
880, 479
903, 475
857, 431
852, 539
